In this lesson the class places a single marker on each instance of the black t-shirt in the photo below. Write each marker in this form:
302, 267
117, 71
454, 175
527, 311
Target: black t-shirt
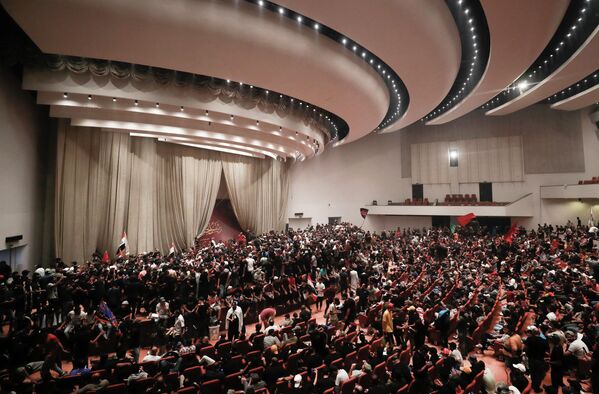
349, 305
535, 347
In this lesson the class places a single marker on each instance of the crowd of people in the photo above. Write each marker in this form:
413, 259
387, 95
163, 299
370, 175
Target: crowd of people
415, 311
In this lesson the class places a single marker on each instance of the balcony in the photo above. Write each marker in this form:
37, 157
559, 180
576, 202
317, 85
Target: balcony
522, 207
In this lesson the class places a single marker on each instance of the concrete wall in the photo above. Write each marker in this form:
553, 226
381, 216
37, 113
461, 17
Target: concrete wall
342, 179
24, 150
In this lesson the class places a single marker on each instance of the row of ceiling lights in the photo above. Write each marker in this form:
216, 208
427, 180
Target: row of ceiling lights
396, 87
573, 30
572, 90
182, 108
474, 54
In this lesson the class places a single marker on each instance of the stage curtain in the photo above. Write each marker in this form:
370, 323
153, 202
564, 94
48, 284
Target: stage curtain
258, 190
107, 183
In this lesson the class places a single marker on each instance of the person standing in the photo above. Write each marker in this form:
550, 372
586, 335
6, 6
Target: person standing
349, 308
320, 286
388, 324
556, 360
535, 348
234, 321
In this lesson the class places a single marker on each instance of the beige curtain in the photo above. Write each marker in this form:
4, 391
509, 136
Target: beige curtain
258, 190
107, 183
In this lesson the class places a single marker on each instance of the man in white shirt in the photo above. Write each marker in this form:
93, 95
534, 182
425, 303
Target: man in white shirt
152, 355
354, 279
340, 376
577, 347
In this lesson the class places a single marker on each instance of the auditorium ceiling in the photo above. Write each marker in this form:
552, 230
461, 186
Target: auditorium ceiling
292, 78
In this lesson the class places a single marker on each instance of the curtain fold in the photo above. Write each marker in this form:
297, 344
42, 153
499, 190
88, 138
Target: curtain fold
258, 190
107, 183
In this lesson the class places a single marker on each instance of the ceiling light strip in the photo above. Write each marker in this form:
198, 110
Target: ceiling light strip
580, 20
399, 98
586, 83
472, 24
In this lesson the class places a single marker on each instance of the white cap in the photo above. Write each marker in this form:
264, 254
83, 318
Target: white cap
297, 380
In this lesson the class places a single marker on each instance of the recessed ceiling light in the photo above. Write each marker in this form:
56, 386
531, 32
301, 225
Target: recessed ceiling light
344, 41
316, 26
260, 2
181, 109
281, 11
299, 18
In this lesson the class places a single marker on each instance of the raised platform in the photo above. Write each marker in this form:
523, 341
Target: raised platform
522, 207
570, 191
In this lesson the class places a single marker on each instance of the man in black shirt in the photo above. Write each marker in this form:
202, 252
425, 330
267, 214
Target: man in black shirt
535, 348
349, 308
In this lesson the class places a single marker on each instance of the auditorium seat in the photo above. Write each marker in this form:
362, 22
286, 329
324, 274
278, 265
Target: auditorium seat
140, 386
211, 387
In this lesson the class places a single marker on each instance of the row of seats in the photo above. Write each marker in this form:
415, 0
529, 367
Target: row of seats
461, 198
592, 181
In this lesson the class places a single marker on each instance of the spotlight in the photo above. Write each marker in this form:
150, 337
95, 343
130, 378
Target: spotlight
522, 85
181, 109
136, 102
206, 112
281, 11
316, 26
89, 96
114, 99
65, 95
260, 3
157, 105
299, 18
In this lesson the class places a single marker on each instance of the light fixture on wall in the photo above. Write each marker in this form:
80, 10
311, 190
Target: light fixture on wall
453, 157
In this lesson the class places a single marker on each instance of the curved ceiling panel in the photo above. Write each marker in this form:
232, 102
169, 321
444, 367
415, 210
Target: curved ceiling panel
536, 20
418, 39
570, 56
583, 62
213, 38
579, 100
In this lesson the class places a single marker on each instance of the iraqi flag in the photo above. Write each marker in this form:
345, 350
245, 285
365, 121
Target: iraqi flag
363, 212
123, 248
509, 236
464, 220
172, 250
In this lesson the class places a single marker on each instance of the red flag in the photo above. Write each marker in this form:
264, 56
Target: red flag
509, 236
363, 212
464, 220
105, 257
554, 245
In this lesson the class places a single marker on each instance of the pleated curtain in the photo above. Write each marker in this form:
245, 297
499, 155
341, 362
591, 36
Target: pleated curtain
258, 190
159, 193
108, 183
